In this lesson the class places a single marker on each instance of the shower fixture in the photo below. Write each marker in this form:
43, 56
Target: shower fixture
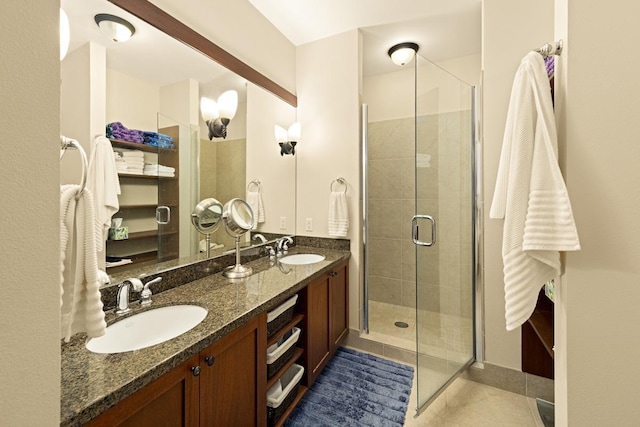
403, 53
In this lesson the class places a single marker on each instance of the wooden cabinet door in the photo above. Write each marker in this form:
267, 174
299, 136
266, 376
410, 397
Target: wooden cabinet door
317, 321
233, 378
339, 309
171, 401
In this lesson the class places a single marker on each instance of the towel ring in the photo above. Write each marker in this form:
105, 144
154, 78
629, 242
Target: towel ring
256, 183
339, 181
72, 144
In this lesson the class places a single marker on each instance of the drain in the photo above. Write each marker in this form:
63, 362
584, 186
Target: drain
401, 324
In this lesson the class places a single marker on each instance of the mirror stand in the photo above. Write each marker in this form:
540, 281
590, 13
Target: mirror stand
237, 271
207, 240
237, 218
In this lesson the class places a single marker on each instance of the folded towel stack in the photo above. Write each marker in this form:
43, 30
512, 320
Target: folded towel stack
116, 130
156, 139
159, 170
129, 161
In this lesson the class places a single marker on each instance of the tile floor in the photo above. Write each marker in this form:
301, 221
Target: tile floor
464, 402
470, 404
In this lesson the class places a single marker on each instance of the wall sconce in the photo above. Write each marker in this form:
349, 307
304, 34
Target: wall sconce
288, 139
403, 53
217, 115
114, 27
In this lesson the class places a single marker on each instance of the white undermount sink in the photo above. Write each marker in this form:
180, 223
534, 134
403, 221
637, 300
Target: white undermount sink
148, 328
301, 259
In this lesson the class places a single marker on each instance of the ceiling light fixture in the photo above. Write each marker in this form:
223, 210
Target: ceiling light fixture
114, 27
403, 53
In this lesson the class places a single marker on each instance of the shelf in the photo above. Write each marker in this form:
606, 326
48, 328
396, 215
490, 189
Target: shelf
118, 143
149, 206
296, 356
543, 327
144, 235
301, 391
141, 176
297, 318
137, 235
136, 259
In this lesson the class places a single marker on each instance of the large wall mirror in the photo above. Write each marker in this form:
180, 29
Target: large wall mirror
153, 82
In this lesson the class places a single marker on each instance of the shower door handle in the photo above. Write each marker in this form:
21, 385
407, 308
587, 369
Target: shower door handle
160, 219
414, 230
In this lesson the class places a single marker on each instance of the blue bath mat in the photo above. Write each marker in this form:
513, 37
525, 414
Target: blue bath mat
356, 389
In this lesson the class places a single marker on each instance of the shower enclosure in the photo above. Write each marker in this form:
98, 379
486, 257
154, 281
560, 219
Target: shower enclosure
419, 204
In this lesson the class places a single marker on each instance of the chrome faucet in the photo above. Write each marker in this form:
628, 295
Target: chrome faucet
145, 295
281, 247
260, 237
122, 298
124, 289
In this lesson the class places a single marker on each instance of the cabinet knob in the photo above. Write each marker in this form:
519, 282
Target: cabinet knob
195, 370
210, 360
333, 274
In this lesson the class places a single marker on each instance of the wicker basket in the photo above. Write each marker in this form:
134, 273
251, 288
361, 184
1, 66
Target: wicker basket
280, 316
277, 405
278, 356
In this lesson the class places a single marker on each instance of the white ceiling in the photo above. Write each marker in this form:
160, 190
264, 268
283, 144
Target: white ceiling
150, 55
444, 29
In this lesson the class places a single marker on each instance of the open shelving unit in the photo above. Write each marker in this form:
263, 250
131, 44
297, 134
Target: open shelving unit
162, 241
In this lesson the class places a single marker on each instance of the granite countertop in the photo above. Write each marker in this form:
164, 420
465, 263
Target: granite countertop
91, 383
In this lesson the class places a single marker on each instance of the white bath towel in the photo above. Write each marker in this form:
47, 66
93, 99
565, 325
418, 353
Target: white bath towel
104, 184
338, 214
254, 199
80, 302
128, 154
530, 194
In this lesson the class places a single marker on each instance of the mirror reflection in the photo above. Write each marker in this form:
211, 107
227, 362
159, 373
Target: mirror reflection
238, 219
206, 215
153, 83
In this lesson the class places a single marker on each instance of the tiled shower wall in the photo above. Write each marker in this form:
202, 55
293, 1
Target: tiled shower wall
222, 176
444, 192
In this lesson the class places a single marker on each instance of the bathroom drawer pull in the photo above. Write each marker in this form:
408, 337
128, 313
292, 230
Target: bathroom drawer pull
195, 370
210, 360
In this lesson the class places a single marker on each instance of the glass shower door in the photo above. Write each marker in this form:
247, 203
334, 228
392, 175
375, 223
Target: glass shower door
443, 230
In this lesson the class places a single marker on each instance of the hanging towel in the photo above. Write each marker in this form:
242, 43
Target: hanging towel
254, 199
104, 184
80, 302
338, 214
530, 194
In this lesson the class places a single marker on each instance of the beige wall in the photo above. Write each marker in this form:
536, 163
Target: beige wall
598, 339
30, 303
277, 174
510, 30
328, 109
240, 29
82, 106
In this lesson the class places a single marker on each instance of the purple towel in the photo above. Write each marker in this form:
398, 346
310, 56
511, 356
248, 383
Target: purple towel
550, 64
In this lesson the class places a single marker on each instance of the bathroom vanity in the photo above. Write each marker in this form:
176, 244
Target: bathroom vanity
216, 373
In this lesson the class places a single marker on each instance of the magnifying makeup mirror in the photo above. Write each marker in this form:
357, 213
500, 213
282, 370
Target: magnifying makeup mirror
206, 219
237, 218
